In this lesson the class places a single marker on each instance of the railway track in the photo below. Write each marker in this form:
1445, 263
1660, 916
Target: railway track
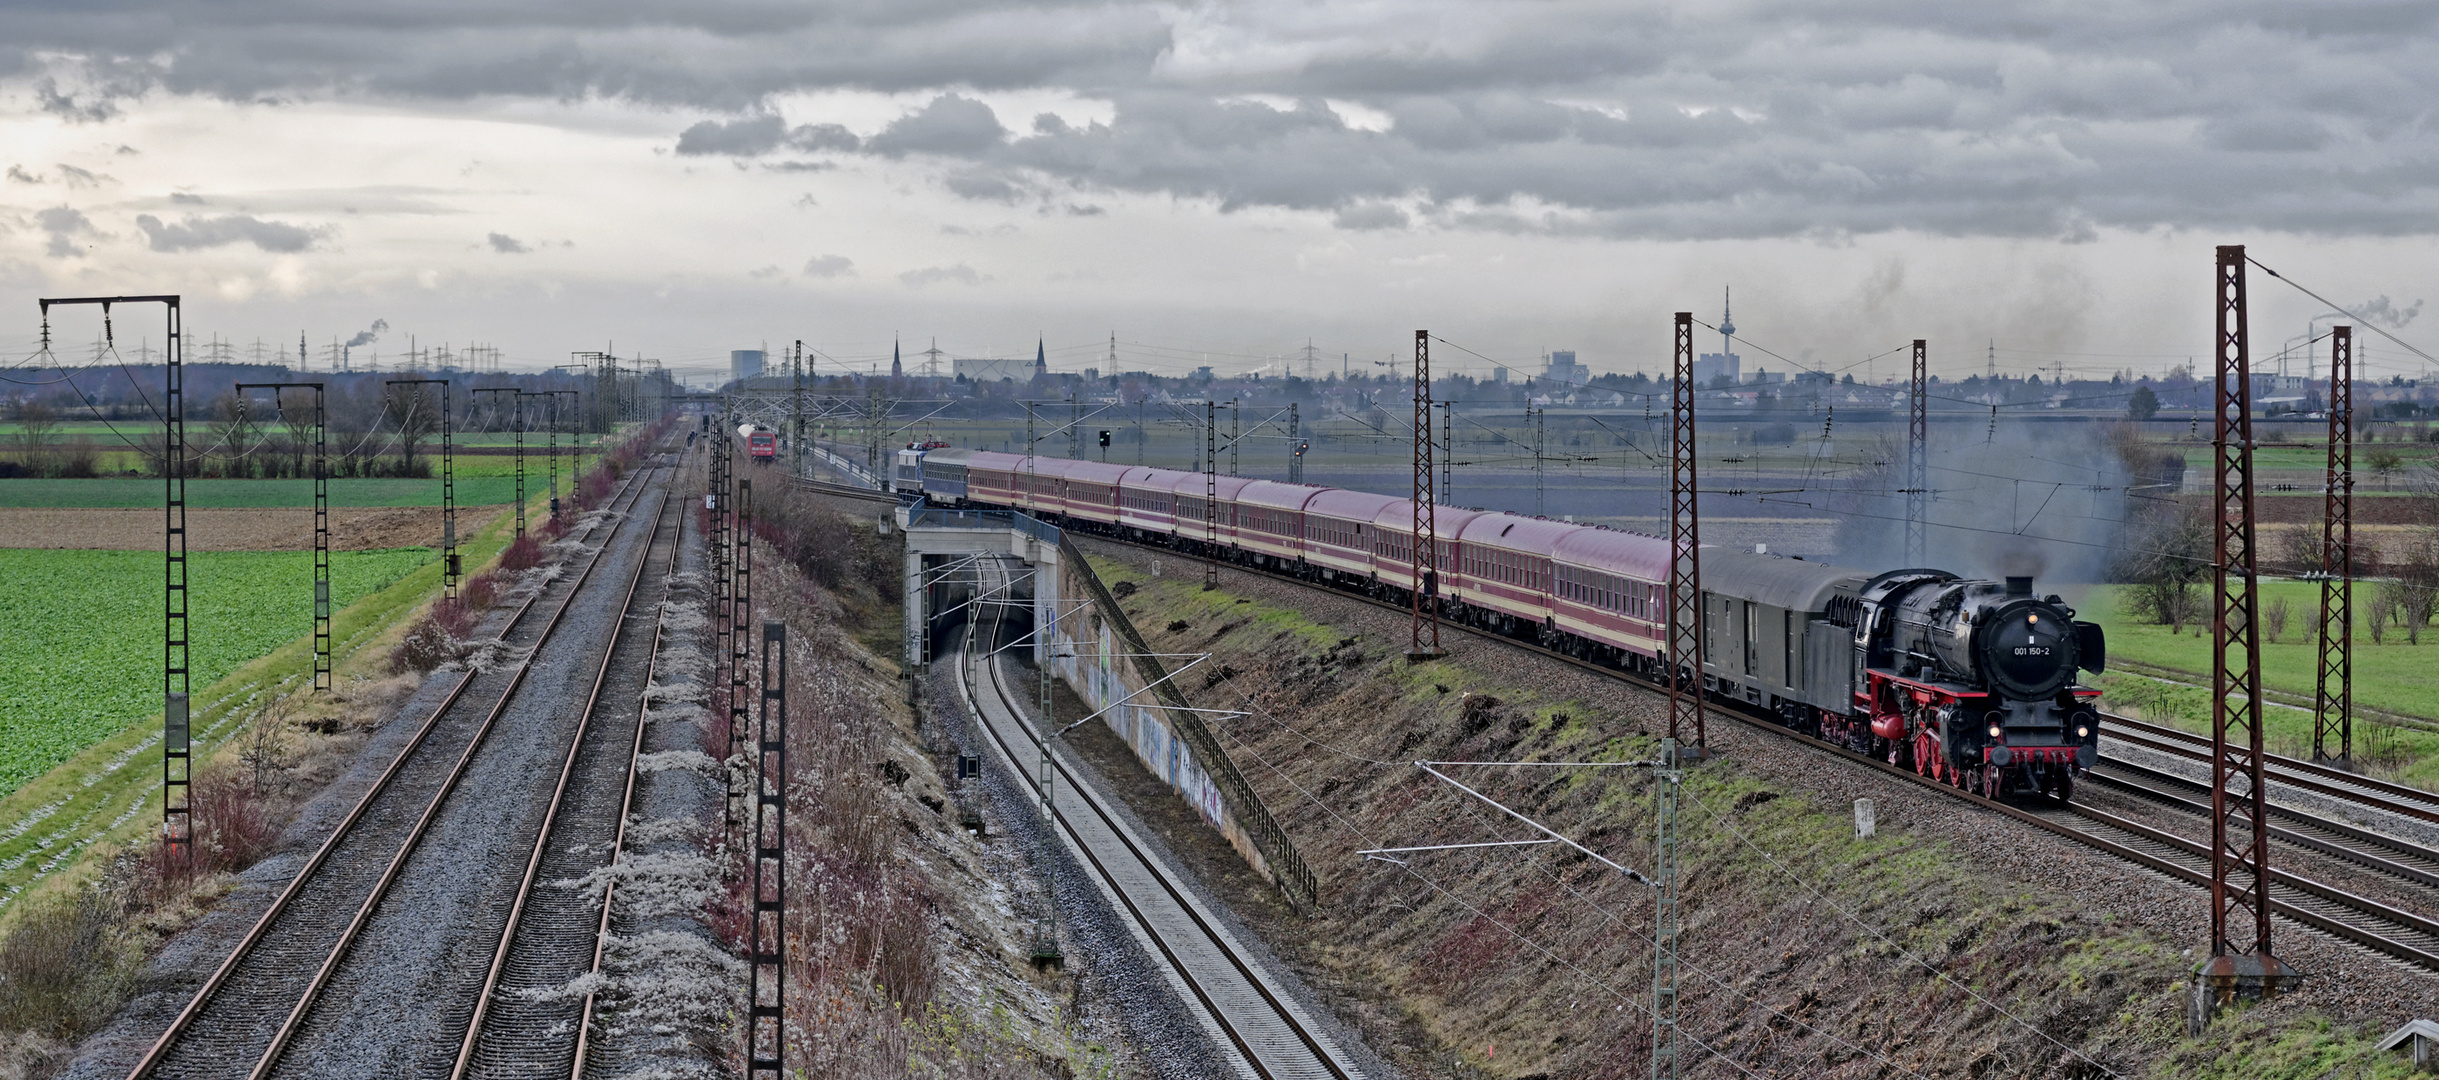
251, 1010
2388, 930
1270, 1037
552, 934
2285, 771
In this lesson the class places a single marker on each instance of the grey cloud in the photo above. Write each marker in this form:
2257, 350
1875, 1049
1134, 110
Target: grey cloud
721, 54
2274, 133
186, 198
76, 178
18, 174
1371, 216
933, 275
827, 266
506, 244
196, 233
983, 186
950, 124
822, 137
65, 224
1566, 116
757, 135
750, 136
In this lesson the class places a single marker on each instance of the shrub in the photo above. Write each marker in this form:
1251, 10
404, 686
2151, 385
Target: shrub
524, 553
481, 591
426, 646
234, 827
63, 966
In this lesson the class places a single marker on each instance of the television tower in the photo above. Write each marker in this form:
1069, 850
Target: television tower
1727, 327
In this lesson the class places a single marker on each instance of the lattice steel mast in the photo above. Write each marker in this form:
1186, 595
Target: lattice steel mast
1685, 607
1918, 461
322, 678
2333, 690
1424, 641
766, 995
2240, 962
177, 760
451, 569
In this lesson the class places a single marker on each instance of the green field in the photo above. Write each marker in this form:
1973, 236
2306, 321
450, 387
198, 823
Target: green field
2388, 676
250, 494
82, 631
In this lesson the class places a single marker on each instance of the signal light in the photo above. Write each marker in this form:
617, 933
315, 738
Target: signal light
1105, 440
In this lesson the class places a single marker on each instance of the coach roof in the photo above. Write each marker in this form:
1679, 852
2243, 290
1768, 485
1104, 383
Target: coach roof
1767, 579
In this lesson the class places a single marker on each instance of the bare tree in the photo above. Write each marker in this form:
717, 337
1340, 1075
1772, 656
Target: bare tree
264, 748
233, 428
35, 424
417, 416
2166, 554
2278, 612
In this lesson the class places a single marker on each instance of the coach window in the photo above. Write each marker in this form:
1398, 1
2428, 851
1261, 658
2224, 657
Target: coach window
1795, 672
1751, 633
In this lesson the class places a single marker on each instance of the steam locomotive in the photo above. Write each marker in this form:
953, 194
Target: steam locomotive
1969, 681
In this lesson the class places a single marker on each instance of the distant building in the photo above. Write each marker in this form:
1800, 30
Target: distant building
990, 369
744, 364
1499, 376
1710, 366
1564, 371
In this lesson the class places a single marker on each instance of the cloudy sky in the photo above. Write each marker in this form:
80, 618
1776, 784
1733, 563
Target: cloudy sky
1222, 181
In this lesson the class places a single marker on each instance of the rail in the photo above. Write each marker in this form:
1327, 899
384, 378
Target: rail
1274, 1040
2312, 908
333, 947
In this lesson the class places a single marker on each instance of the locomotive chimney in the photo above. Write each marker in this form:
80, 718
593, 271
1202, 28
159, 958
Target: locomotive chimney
2019, 586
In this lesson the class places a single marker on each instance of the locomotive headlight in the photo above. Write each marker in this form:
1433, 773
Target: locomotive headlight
2033, 617
2083, 731
1994, 731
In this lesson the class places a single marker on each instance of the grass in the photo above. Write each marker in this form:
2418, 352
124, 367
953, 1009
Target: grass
2389, 676
144, 492
1449, 959
84, 633
107, 794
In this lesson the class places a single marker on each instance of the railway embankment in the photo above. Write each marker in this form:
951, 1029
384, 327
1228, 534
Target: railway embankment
914, 897
1951, 943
